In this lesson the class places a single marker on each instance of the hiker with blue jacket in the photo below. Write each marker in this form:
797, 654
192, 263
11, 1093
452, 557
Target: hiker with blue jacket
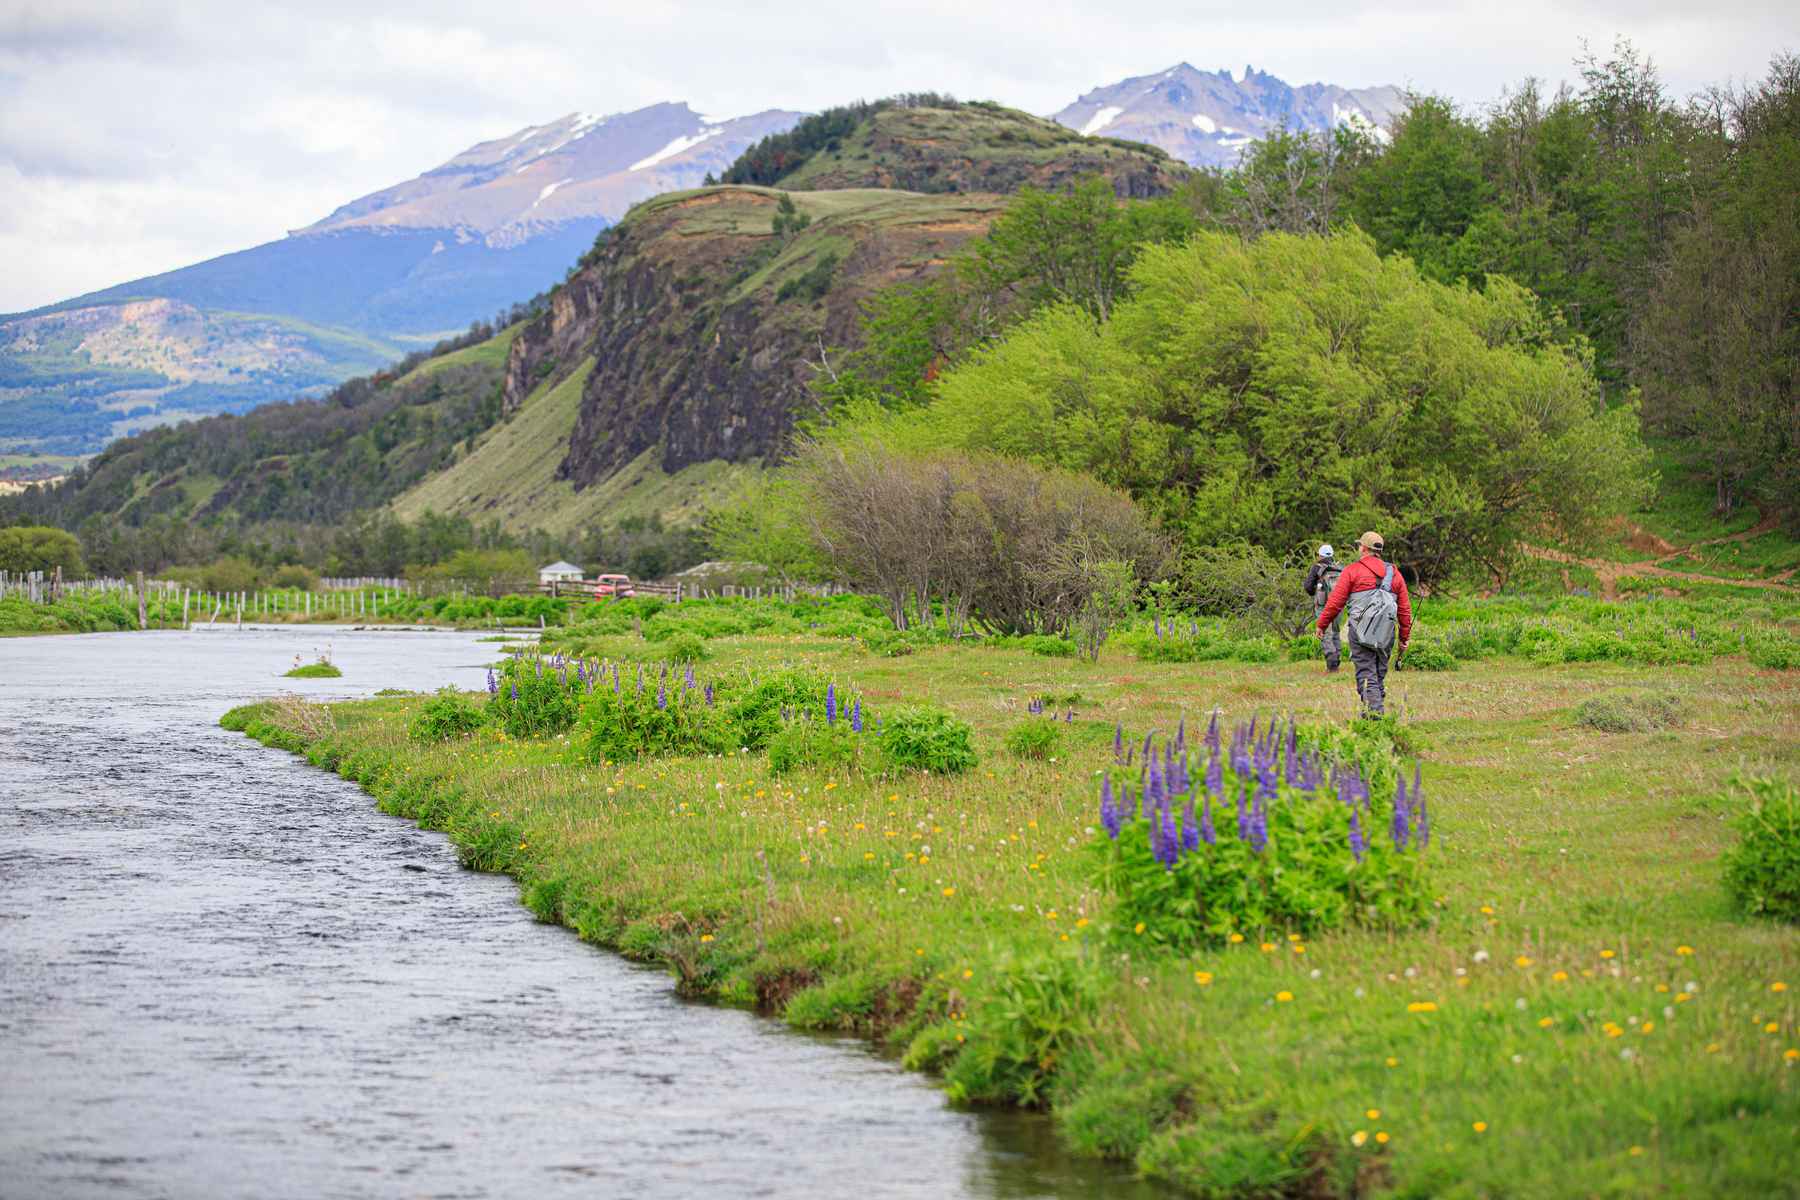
1321, 577
1372, 595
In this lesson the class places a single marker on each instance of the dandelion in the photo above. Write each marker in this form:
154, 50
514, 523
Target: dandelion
1479, 1127
1381, 1139
1606, 954
1560, 976
1421, 1006
1778, 986
1522, 961
1284, 997
1235, 938
1359, 1137
1374, 1114
949, 891
1684, 951
1204, 978
1546, 1022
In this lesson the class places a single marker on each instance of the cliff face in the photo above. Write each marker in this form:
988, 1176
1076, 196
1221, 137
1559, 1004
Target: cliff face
699, 326
704, 326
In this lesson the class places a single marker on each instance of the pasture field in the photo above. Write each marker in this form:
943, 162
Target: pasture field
1583, 1013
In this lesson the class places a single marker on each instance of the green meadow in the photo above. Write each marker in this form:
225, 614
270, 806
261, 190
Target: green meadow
1583, 1012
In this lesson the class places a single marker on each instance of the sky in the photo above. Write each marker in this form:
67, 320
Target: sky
140, 137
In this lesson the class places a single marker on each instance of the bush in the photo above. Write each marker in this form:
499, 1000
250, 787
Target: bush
1269, 835
448, 715
888, 643
1775, 652
926, 738
295, 575
638, 721
1035, 738
760, 711
812, 743
1630, 712
1428, 656
685, 648
532, 699
1762, 872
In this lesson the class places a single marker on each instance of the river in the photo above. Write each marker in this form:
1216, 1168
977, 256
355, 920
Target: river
223, 973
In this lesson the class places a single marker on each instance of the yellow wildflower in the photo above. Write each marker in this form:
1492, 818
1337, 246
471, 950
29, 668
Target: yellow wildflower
1284, 997
1203, 978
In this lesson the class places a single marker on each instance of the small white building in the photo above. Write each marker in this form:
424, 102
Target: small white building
559, 572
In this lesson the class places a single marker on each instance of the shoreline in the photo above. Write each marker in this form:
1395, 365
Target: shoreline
769, 893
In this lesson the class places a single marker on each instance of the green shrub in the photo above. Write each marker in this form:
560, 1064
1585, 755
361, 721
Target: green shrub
685, 648
759, 710
1275, 847
449, 714
533, 698
1762, 872
1774, 652
639, 721
814, 743
888, 643
1428, 656
1035, 738
1038, 1009
927, 738
1631, 712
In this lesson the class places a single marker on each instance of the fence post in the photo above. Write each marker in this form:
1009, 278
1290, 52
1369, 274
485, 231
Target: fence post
143, 617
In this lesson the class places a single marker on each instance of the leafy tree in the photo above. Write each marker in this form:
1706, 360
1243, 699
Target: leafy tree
1717, 345
1294, 388
25, 548
1422, 194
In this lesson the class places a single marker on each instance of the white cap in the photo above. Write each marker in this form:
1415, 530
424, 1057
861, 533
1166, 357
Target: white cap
1325, 550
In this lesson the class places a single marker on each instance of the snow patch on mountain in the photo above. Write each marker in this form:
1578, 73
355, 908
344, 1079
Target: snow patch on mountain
1100, 120
680, 144
1205, 124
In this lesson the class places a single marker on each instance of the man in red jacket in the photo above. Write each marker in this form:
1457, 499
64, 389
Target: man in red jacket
1371, 660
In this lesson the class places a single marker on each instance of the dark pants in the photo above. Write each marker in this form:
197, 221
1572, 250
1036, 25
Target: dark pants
1371, 675
1328, 640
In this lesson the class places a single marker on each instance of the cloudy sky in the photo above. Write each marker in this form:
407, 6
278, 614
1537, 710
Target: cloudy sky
139, 137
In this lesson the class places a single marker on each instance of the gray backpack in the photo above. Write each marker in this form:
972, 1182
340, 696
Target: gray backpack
1374, 614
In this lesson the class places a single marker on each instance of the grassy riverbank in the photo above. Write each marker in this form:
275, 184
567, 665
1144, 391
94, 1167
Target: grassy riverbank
1585, 1015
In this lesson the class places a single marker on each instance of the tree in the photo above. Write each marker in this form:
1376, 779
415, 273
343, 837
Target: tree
25, 548
1717, 344
1292, 182
1297, 388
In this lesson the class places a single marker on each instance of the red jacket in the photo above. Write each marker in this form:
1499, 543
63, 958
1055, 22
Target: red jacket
1360, 576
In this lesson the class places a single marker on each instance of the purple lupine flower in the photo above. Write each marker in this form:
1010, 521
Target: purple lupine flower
1243, 818
856, 715
1069, 717
1119, 742
1207, 834
1035, 706
515, 689
662, 695
1359, 845
1215, 777
709, 695
493, 683
687, 679
1165, 842
1190, 828
1109, 812
1181, 736
1129, 808
1212, 732
1259, 825
1402, 832
1156, 624
640, 678
830, 703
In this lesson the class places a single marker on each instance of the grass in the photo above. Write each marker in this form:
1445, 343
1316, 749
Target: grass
314, 670
1585, 1015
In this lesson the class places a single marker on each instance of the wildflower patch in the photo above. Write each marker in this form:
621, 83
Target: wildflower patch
1268, 833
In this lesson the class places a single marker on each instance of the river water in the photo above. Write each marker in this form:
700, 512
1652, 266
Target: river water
223, 973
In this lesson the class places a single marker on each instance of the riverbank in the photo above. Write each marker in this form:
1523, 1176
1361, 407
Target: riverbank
1584, 1015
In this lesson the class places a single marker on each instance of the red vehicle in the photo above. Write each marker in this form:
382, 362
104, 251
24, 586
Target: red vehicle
613, 587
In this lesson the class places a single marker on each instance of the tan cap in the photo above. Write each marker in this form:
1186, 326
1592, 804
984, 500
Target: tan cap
1371, 541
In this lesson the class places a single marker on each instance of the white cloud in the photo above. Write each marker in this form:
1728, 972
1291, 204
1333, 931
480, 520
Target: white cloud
137, 138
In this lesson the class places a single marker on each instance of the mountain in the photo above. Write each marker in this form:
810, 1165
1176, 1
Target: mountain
934, 144
498, 223
1207, 118
672, 361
